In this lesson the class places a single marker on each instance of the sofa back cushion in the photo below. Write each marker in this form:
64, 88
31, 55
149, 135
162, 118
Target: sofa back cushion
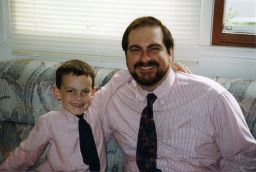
26, 90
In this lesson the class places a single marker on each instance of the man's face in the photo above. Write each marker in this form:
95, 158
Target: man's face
147, 58
75, 93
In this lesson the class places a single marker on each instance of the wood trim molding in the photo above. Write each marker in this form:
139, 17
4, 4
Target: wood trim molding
228, 39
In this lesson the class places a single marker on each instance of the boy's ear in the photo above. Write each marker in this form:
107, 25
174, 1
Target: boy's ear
56, 92
93, 91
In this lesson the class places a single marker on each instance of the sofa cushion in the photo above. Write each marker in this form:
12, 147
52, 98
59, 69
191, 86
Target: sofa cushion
26, 90
11, 135
114, 157
245, 93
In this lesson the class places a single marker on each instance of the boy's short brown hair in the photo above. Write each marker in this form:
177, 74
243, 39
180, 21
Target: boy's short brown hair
75, 67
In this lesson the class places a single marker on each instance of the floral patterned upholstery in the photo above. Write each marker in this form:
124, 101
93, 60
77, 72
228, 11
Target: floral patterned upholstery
25, 94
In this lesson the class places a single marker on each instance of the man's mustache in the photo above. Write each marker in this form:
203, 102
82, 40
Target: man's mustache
149, 63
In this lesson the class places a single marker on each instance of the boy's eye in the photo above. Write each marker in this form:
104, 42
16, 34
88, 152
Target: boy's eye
85, 92
71, 91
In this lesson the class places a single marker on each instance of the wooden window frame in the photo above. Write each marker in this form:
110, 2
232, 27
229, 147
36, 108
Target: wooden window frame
228, 39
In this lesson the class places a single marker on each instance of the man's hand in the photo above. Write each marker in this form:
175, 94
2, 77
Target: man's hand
180, 68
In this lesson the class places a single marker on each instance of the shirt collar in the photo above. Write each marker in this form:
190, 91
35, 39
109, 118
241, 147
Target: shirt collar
68, 115
160, 91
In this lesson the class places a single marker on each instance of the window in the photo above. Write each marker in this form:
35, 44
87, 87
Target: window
95, 27
234, 23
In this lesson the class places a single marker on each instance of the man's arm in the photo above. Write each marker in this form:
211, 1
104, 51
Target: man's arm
102, 96
236, 144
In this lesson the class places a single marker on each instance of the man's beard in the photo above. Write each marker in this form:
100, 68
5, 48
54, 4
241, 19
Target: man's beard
148, 81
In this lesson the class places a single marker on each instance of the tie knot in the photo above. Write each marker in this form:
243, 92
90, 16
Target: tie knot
151, 97
80, 116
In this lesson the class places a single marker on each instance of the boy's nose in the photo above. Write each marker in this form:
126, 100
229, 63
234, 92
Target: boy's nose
79, 96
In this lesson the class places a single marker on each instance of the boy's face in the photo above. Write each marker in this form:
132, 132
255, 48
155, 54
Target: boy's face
75, 93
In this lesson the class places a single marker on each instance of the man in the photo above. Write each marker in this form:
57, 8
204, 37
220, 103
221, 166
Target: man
189, 123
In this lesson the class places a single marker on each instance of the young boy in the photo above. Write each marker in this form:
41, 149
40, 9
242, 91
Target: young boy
60, 129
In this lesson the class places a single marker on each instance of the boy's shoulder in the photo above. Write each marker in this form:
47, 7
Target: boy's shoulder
52, 115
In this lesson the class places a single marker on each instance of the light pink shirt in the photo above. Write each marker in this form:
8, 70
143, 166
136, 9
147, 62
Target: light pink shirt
200, 126
59, 129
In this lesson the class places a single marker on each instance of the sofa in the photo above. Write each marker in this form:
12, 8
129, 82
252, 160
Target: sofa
25, 94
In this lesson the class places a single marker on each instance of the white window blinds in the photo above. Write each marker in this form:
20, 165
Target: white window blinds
95, 27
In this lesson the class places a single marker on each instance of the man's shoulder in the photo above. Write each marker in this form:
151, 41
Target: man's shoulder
122, 75
199, 82
118, 80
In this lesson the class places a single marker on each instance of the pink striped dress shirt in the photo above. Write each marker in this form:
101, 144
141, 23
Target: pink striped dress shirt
200, 126
59, 129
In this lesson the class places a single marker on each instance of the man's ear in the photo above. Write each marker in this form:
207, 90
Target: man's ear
56, 92
170, 52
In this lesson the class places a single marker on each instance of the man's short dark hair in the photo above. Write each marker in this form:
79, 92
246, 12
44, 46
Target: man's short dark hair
152, 22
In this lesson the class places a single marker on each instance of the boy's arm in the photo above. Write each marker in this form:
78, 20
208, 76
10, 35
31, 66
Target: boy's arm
29, 150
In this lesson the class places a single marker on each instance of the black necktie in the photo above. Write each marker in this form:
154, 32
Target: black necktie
87, 145
147, 140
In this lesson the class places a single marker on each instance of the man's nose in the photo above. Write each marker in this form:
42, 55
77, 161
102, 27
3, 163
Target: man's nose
145, 56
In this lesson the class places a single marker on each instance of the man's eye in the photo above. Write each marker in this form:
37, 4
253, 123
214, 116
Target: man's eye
155, 49
135, 49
